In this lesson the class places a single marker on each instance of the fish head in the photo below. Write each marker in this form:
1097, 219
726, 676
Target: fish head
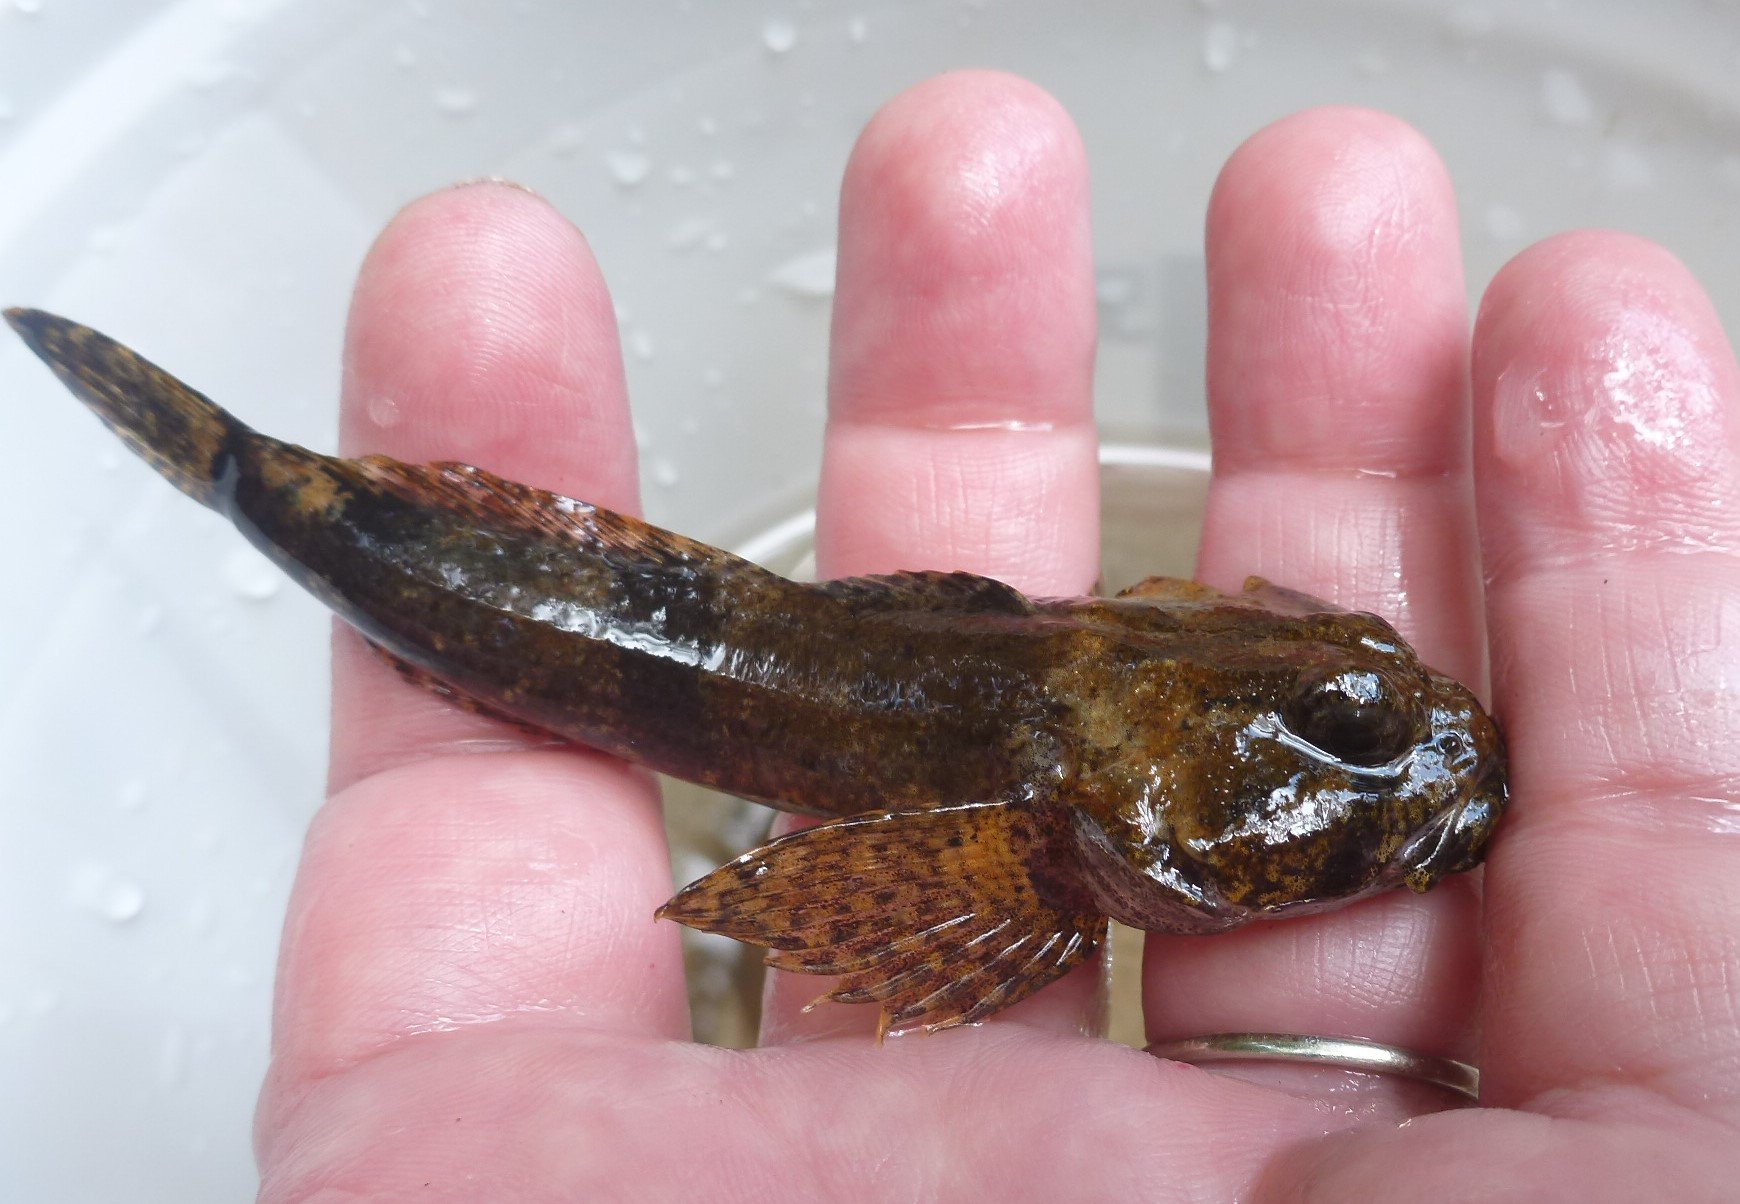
1296, 757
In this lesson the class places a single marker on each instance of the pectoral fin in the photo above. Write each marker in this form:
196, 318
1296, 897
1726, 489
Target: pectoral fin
935, 915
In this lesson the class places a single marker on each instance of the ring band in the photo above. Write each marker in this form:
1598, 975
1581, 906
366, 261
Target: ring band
1348, 1053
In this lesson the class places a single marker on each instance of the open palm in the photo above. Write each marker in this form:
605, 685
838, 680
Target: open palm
474, 1002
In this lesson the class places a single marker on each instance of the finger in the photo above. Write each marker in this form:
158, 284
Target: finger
1338, 406
440, 890
1607, 436
960, 428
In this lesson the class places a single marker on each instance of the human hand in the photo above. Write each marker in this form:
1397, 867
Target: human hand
474, 1002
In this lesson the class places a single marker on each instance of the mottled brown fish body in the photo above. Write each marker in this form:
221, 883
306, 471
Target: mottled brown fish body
1011, 772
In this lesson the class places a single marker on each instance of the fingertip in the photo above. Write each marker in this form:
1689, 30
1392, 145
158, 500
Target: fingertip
1362, 157
1604, 389
966, 271
481, 329
1338, 324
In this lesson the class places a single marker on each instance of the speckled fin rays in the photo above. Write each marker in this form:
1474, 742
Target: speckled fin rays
935, 915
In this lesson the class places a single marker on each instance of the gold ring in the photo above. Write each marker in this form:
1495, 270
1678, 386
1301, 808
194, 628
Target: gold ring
1348, 1053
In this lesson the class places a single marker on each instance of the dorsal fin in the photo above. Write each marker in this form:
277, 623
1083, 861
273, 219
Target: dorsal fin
509, 506
929, 590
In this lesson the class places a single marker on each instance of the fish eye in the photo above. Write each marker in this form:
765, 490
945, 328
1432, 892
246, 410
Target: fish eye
1354, 715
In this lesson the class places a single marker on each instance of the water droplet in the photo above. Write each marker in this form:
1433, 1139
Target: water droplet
680, 174
779, 36
724, 169
383, 412
103, 892
204, 76
640, 343
404, 58
250, 575
566, 140
456, 100
1564, 98
713, 377
202, 915
1220, 46
716, 240
1469, 23
1116, 287
688, 233
1625, 168
810, 275
1372, 62
1503, 222
172, 1057
664, 473
627, 168
28, 7
131, 796
707, 124
149, 620
858, 29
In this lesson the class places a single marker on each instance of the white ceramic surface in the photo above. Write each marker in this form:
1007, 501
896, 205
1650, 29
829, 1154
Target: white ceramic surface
201, 179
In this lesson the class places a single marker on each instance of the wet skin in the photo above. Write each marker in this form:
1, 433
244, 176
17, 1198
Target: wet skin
1002, 773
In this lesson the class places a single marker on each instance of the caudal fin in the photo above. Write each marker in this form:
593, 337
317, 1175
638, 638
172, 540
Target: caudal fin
178, 431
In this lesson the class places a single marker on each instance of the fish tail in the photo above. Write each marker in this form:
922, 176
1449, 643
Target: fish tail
180, 432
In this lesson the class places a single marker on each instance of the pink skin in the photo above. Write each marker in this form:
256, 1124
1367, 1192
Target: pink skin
474, 1004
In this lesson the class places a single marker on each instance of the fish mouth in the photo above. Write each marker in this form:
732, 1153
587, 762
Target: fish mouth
1456, 839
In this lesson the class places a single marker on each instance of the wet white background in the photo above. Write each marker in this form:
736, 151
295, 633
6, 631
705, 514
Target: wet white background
201, 179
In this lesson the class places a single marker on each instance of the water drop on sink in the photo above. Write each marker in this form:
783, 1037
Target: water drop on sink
664, 473
172, 1057
456, 101
131, 796
810, 275
1220, 46
1469, 23
858, 29
627, 168
640, 342
250, 575
28, 7
688, 233
103, 892
1565, 99
779, 36
566, 140
208, 74
1503, 222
